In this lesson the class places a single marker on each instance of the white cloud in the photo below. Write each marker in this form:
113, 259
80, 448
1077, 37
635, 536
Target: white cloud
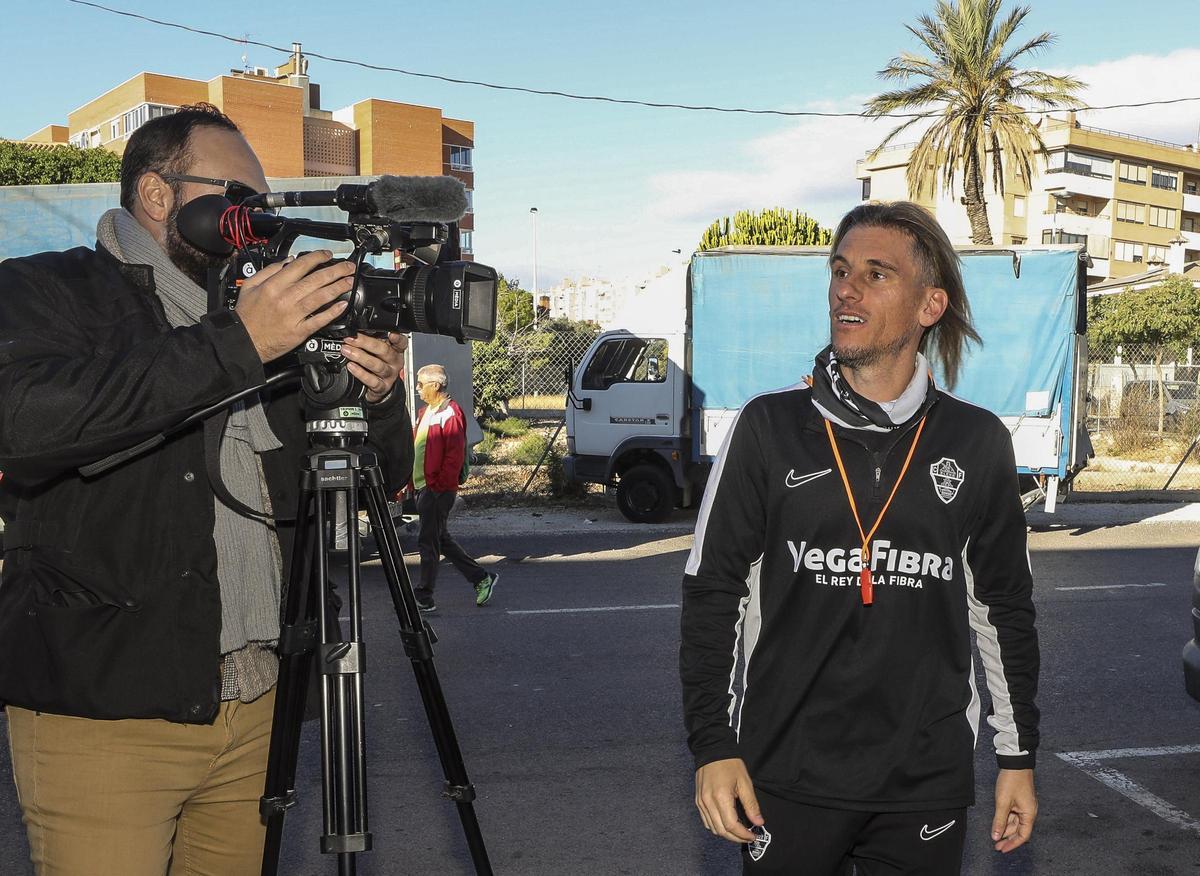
811, 165
1139, 78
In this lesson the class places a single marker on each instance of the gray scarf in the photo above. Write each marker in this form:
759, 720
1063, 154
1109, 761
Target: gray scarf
248, 557
839, 403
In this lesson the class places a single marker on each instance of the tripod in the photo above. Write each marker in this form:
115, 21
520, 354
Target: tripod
336, 468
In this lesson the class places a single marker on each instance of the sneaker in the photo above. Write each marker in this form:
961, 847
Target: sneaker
485, 588
424, 601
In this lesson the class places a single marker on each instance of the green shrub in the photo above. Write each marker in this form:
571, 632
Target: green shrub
485, 450
508, 428
529, 450
559, 485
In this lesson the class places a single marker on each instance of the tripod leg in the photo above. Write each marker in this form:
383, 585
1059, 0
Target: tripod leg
342, 662
297, 639
419, 648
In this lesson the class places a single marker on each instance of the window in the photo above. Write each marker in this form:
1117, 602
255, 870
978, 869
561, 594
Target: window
866, 189
627, 360
1018, 205
139, 115
460, 157
1127, 251
465, 242
134, 119
1190, 224
1133, 173
1155, 253
1049, 236
114, 130
1164, 179
1127, 211
1017, 241
1189, 187
1081, 163
1162, 217
470, 200
1081, 207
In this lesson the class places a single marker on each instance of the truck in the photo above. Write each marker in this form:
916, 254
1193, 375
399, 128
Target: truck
650, 404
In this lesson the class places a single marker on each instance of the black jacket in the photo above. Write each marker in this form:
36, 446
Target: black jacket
828, 701
109, 600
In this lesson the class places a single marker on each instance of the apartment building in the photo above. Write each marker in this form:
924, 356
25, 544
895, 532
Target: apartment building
586, 298
280, 113
1132, 201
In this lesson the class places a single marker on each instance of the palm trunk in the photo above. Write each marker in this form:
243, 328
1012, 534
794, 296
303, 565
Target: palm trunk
973, 200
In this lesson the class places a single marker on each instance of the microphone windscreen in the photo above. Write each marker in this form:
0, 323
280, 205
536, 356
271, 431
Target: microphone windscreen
418, 198
199, 222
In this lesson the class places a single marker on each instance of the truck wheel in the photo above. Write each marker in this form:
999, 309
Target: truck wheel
646, 494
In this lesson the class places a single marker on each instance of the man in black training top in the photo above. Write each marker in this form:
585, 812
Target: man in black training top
853, 533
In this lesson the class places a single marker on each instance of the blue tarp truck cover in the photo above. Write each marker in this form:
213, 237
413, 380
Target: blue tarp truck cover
758, 318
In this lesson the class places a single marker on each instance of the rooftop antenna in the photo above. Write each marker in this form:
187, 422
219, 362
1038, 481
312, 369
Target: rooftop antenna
245, 50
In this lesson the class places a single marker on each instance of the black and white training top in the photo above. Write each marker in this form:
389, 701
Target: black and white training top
829, 701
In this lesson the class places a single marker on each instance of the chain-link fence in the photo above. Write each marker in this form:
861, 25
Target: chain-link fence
525, 373
1142, 416
520, 383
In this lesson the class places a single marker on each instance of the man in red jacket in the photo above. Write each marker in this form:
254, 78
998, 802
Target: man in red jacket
440, 441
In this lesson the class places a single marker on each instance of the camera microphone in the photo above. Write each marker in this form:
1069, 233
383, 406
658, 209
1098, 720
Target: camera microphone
399, 198
208, 224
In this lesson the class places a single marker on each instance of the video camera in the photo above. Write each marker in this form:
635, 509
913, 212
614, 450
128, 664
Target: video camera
437, 293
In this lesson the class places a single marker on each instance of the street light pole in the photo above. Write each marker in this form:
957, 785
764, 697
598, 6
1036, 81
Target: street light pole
534, 212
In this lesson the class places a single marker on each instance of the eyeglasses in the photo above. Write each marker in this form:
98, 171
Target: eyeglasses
235, 191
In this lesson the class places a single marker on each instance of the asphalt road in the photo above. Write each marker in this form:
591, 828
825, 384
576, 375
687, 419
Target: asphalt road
566, 704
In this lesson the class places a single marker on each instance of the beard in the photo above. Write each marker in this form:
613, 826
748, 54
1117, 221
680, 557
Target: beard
867, 356
192, 262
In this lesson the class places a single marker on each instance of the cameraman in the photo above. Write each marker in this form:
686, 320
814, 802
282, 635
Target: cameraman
138, 614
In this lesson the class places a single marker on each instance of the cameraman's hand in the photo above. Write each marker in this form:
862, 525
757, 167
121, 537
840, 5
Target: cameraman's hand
278, 305
376, 362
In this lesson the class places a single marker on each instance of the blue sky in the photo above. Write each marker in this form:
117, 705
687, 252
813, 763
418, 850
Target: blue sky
617, 187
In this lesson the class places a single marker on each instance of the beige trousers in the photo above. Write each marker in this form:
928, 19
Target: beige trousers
143, 797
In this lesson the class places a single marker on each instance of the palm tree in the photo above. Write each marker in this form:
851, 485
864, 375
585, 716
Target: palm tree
982, 99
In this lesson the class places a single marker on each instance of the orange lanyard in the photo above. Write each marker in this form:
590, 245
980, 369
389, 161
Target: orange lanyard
868, 590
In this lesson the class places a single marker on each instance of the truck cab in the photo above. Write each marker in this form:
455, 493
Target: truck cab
626, 419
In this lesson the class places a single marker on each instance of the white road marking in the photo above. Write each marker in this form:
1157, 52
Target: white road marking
1110, 586
1090, 763
595, 608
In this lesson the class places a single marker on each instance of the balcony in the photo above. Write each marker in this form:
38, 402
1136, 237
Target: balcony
1093, 230
1073, 181
1092, 226
1192, 238
1191, 203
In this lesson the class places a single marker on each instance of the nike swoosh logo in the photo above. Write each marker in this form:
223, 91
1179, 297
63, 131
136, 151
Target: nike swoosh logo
927, 834
792, 481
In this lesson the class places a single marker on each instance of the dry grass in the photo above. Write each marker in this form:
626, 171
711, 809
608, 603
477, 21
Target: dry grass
538, 403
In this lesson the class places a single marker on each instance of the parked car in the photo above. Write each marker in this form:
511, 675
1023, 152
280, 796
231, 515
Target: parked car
1191, 651
1140, 400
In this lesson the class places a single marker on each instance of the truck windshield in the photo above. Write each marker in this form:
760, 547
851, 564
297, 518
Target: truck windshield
627, 360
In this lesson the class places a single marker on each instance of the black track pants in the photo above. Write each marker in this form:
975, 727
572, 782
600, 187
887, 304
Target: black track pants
811, 841
434, 540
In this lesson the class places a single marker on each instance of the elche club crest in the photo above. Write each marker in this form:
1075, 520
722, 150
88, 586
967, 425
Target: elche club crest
947, 478
762, 839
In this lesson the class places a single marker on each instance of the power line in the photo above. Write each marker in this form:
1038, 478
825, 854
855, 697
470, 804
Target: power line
594, 97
